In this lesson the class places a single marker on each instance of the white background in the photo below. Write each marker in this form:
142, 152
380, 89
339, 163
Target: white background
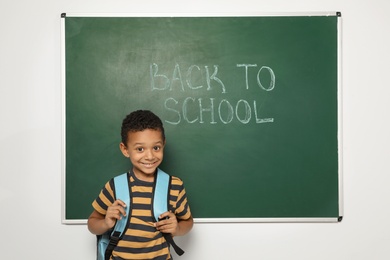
30, 138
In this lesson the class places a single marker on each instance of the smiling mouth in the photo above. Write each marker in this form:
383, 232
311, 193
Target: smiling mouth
148, 164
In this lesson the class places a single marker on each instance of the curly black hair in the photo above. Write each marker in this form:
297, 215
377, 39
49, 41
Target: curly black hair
140, 120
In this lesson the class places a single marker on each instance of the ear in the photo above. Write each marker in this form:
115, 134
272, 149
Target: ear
123, 148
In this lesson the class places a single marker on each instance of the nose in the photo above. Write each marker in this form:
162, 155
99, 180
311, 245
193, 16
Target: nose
149, 155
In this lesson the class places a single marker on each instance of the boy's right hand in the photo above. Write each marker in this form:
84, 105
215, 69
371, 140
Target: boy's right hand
115, 212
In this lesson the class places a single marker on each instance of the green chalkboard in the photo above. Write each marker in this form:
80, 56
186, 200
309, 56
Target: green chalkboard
250, 107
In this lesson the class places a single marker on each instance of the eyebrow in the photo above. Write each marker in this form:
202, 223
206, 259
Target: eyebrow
159, 142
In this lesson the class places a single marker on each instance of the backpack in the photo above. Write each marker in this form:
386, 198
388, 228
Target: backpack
108, 241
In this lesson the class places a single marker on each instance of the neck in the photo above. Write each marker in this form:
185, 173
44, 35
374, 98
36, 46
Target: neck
144, 177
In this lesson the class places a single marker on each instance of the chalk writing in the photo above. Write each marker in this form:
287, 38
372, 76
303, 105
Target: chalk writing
269, 70
210, 110
167, 84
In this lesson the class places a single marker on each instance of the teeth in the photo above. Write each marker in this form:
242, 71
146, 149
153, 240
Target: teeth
148, 164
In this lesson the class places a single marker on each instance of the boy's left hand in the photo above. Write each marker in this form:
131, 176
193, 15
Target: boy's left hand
167, 223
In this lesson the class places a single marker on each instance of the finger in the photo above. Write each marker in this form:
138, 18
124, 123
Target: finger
166, 215
120, 206
162, 227
161, 224
166, 228
119, 202
121, 212
116, 212
113, 214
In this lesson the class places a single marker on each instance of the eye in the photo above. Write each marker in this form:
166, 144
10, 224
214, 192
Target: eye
156, 148
139, 149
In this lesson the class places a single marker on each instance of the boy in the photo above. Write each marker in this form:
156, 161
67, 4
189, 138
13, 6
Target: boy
143, 142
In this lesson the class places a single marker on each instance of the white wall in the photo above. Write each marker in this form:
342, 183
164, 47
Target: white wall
30, 138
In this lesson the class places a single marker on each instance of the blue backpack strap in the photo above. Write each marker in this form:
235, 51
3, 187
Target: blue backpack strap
122, 192
161, 191
161, 203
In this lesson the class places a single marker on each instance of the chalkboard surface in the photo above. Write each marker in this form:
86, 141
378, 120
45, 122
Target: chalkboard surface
249, 105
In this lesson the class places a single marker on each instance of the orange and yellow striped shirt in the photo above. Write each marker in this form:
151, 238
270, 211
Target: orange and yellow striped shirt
141, 240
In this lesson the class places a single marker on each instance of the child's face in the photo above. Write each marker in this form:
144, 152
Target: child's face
145, 150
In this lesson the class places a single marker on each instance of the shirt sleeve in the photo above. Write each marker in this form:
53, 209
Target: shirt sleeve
105, 199
179, 200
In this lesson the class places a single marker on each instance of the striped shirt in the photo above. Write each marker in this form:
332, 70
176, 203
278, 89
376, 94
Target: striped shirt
141, 239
